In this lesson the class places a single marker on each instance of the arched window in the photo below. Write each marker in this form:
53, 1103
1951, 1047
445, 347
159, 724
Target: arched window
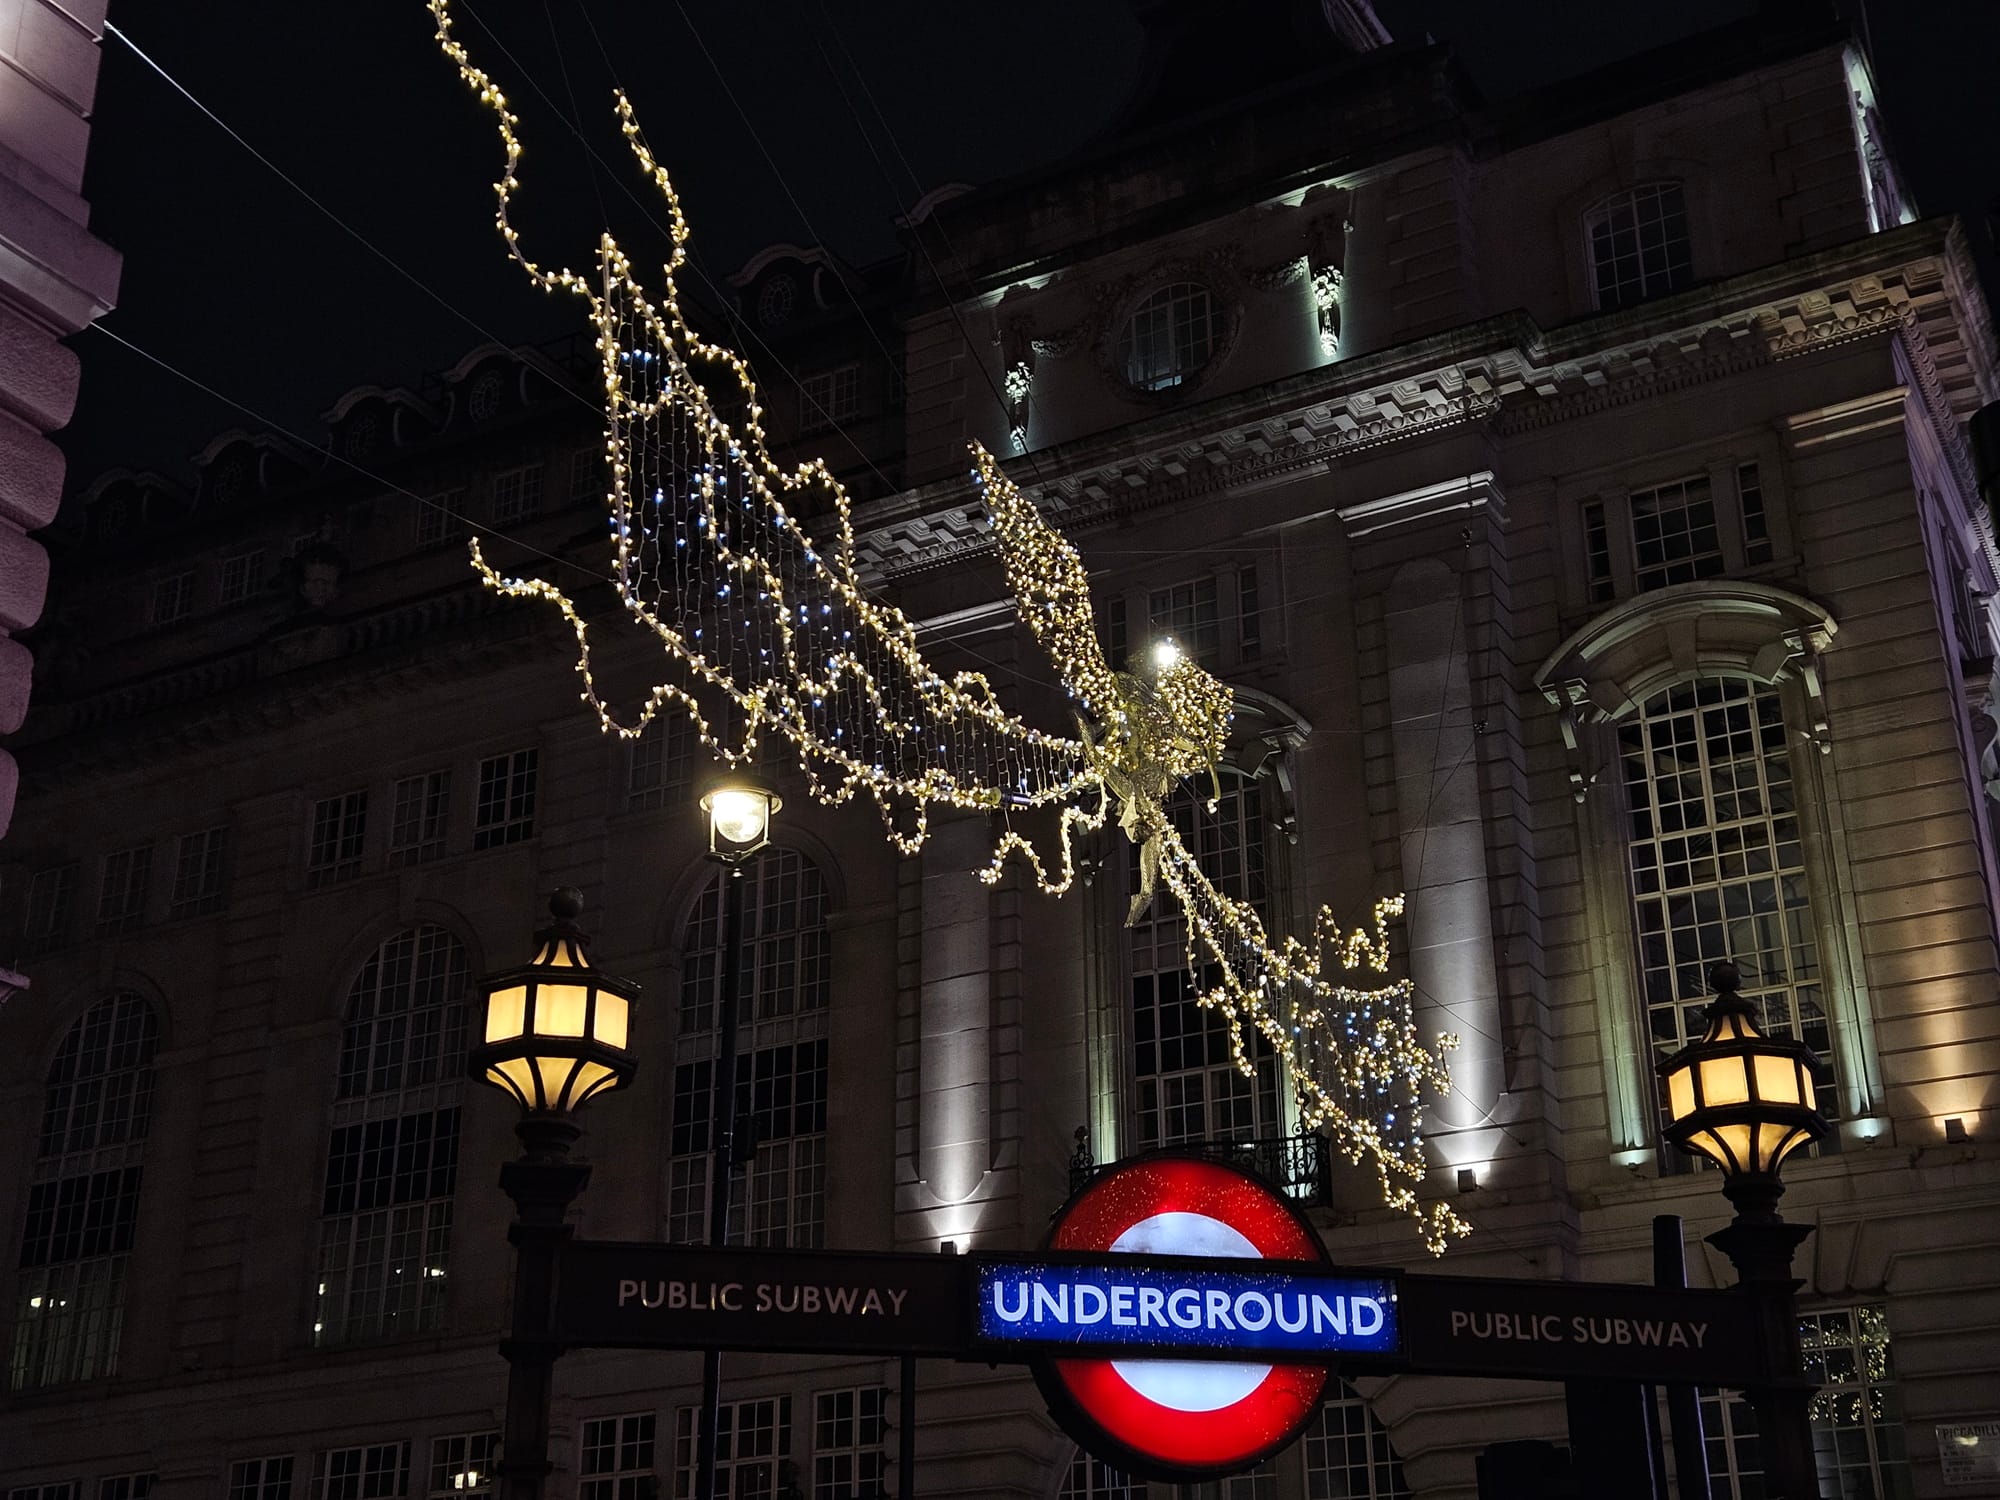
1168, 337
1717, 865
1638, 242
780, 1094
1188, 1088
83, 1198
392, 1161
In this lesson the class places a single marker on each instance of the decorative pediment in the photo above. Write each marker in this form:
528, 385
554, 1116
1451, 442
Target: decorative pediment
1713, 628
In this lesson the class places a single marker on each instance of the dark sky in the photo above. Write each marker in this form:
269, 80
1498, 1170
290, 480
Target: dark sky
234, 278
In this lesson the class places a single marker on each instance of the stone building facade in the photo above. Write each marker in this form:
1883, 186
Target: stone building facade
1575, 496
55, 279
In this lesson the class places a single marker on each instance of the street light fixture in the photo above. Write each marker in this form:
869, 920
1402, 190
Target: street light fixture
1743, 1100
1746, 1101
739, 809
557, 1029
557, 1033
739, 818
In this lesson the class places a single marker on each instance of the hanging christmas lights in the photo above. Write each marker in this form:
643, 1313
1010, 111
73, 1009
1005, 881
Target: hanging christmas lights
711, 557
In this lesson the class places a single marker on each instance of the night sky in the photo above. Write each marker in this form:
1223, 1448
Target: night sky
237, 280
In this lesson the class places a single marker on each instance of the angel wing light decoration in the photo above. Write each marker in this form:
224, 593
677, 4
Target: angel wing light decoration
745, 574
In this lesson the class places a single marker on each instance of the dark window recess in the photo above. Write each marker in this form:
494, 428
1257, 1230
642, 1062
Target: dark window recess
1756, 523
780, 1091
121, 898
1674, 537
417, 820
383, 1163
1639, 245
81, 1217
101, 1083
506, 810
1249, 617
261, 1479
50, 920
1597, 548
1111, 632
339, 833
198, 872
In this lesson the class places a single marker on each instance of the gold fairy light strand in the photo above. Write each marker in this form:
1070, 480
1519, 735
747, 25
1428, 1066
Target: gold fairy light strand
718, 554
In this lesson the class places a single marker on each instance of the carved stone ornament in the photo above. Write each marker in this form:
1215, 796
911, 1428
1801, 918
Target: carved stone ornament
1716, 627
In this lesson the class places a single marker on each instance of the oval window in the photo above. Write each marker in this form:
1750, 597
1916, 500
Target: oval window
1168, 337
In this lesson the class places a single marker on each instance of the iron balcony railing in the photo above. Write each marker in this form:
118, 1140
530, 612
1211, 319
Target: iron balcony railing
1296, 1165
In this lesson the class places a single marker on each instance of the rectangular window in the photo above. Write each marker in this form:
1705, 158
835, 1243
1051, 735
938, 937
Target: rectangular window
752, 1443
1109, 617
380, 1471
1674, 537
828, 398
125, 1486
658, 761
1717, 867
261, 1479
616, 1462
1756, 523
51, 915
173, 597
242, 577
57, 1489
1348, 1454
121, 896
462, 1464
1249, 621
70, 1306
1187, 612
440, 518
385, 1231
850, 1461
1597, 554
780, 1085
417, 818
339, 831
506, 809
584, 487
517, 494
1189, 1087
198, 872
1639, 245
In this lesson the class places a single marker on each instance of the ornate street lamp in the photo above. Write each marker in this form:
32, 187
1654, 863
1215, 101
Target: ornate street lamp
1746, 1101
557, 1033
1743, 1100
739, 809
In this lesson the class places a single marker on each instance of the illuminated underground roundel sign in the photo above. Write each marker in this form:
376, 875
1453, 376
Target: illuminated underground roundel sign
1244, 1387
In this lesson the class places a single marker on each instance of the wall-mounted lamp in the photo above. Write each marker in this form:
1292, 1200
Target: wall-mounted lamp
1467, 1179
1955, 1133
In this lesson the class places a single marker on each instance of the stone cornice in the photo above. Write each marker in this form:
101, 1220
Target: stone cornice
1506, 371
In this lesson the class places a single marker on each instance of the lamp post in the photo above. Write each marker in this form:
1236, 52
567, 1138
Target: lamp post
739, 813
556, 1033
1746, 1101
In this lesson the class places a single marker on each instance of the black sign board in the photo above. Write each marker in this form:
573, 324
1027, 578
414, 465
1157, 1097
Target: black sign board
1568, 1330
639, 1296
837, 1302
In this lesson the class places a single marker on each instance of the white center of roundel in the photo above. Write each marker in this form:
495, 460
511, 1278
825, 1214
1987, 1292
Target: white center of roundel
1188, 1384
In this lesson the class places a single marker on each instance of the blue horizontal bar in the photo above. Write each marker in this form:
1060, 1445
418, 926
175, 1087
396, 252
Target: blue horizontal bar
1201, 1310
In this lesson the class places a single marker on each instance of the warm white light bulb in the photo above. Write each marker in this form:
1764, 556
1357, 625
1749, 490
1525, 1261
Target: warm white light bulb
1166, 655
738, 815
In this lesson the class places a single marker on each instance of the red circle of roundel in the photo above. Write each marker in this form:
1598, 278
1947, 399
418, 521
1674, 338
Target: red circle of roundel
1173, 1441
